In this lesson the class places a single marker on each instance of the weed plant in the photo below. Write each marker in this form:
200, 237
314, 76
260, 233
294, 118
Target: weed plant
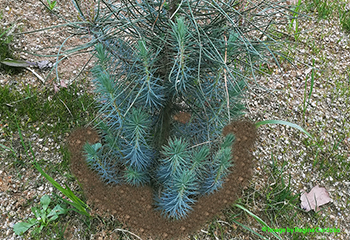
45, 215
345, 21
323, 8
42, 216
51, 4
5, 39
44, 112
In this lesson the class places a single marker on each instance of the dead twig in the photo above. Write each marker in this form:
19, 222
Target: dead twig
37, 75
122, 230
66, 107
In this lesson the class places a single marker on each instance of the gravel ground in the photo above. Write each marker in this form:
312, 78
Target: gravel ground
327, 118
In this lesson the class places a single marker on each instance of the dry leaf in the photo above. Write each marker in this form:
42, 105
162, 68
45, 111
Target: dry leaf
55, 88
307, 71
63, 84
315, 198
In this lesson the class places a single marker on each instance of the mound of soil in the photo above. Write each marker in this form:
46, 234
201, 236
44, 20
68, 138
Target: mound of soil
134, 205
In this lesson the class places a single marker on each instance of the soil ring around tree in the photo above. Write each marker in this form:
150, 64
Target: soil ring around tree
134, 205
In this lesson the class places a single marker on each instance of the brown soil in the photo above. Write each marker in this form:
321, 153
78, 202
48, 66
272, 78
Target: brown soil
134, 206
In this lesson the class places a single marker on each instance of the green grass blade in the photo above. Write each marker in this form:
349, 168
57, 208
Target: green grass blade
20, 135
249, 229
311, 87
51, 180
77, 208
77, 203
6, 31
3, 146
312, 81
258, 219
67, 192
284, 123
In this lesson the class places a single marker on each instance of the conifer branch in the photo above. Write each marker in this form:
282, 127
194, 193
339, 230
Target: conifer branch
158, 61
227, 96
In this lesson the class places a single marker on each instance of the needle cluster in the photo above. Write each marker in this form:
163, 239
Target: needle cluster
158, 59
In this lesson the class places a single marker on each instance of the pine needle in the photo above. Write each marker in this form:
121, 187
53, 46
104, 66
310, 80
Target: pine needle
225, 77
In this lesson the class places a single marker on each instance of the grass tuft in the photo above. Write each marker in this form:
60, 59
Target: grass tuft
345, 21
44, 112
5, 40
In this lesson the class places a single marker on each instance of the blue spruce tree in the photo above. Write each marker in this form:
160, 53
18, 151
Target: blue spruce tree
170, 75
